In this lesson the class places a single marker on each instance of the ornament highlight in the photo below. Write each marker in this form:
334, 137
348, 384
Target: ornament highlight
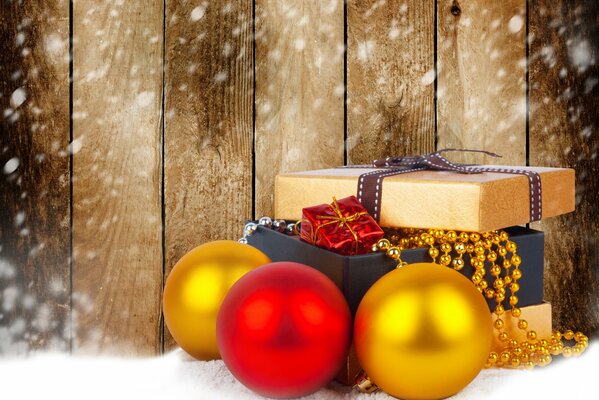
196, 287
423, 331
284, 330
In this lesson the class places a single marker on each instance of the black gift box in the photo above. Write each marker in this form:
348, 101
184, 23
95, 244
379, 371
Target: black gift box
354, 275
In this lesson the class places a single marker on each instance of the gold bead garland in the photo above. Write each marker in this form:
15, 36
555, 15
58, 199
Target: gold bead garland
495, 248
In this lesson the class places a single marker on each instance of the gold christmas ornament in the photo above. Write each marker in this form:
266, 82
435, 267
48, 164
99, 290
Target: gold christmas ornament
196, 287
496, 249
422, 331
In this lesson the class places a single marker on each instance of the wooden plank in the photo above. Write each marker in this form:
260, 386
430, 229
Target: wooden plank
208, 129
390, 79
299, 91
564, 94
117, 236
482, 78
34, 176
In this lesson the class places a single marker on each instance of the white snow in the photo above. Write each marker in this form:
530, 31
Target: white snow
11, 166
197, 13
515, 24
18, 97
176, 376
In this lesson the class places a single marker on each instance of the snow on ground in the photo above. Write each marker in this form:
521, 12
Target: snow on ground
176, 376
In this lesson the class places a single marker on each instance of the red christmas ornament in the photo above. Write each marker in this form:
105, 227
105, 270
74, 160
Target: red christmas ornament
284, 330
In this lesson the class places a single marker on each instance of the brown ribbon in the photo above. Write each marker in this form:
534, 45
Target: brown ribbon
370, 184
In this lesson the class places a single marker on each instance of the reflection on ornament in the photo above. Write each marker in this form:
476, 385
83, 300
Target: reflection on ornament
423, 331
284, 330
196, 287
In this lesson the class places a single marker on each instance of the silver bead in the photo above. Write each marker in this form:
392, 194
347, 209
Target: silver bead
290, 229
279, 225
265, 221
250, 228
243, 240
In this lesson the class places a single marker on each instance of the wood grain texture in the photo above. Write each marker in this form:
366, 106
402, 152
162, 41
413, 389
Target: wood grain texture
117, 245
299, 91
390, 79
34, 177
208, 126
481, 52
564, 126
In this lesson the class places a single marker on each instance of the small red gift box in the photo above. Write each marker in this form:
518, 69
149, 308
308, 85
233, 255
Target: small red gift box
343, 227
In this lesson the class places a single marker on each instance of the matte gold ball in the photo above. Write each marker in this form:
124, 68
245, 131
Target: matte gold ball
196, 288
423, 331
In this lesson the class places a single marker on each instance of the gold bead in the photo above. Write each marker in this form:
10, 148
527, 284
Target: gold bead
515, 361
383, 244
505, 356
511, 246
579, 336
531, 335
567, 352
476, 264
498, 323
516, 312
478, 249
464, 236
458, 264
507, 280
522, 324
503, 236
502, 251
483, 284
445, 259
481, 257
460, 248
499, 310
474, 237
543, 349
433, 252
487, 243
514, 287
498, 283
495, 270
516, 260
544, 342
544, 360
507, 264
429, 240
451, 236
490, 293
469, 248
503, 336
513, 300
394, 253
556, 335
568, 335
499, 297
493, 357
492, 256
529, 365
516, 274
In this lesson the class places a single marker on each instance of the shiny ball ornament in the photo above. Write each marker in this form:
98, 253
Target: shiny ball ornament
284, 330
423, 331
196, 287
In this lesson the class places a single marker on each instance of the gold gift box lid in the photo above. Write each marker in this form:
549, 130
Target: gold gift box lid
434, 199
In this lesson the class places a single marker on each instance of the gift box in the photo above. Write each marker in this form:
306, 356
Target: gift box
343, 227
538, 317
354, 275
475, 202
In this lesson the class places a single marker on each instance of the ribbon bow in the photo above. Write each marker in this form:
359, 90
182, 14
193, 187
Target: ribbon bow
370, 184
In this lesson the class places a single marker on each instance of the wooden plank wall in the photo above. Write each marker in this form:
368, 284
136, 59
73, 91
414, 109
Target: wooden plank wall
176, 122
